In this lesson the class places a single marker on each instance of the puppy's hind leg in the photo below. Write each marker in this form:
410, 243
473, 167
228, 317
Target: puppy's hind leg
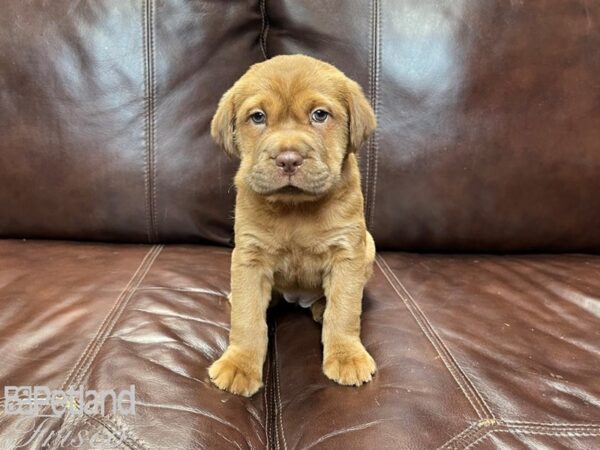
317, 309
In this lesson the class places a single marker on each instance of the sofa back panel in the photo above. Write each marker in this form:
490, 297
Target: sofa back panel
105, 109
72, 150
202, 48
489, 116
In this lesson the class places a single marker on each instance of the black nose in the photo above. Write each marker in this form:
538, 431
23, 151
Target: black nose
289, 161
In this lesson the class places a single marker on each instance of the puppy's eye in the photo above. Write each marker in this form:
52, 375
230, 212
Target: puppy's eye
258, 117
319, 115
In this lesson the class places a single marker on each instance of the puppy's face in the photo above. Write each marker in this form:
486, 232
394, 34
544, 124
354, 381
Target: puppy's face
292, 120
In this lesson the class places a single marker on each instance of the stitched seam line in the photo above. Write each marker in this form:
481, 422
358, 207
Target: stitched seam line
478, 440
146, 123
264, 29
266, 403
475, 435
272, 431
502, 428
375, 102
124, 437
153, 124
76, 375
574, 433
79, 371
370, 169
472, 435
460, 436
520, 423
278, 390
118, 309
437, 345
368, 158
118, 431
118, 312
150, 119
554, 427
478, 395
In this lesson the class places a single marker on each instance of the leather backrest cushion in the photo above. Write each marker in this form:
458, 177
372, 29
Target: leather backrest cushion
489, 116
105, 108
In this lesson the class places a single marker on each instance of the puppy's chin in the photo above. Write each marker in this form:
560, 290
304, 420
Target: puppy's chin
291, 194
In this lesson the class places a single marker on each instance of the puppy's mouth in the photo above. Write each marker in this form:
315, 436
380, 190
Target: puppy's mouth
288, 190
310, 182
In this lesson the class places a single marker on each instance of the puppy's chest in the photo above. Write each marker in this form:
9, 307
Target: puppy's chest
297, 269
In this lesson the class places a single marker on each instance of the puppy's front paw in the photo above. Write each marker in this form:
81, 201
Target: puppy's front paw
350, 366
237, 373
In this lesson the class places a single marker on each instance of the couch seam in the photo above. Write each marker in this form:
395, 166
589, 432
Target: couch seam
102, 334
468, 434
367, 171
278, 390
266, 402
442, 351
479, 439
471, 435
374, 153
126, 440
264, 29
271, 405
503, 428
372, 147
520, 423
153, 119
460, 436
479, 396
133, 443
106, 327
150, 117
146, 121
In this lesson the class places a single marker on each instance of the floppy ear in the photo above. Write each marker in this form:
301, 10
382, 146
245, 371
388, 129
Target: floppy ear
361, 118
222, 127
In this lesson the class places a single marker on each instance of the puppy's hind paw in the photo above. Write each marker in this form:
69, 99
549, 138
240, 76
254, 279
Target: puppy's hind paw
318, 309
234, 373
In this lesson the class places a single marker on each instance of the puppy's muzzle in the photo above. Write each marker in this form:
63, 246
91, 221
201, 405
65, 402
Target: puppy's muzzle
289, 161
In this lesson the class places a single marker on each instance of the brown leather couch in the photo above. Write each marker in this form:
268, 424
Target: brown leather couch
482, 188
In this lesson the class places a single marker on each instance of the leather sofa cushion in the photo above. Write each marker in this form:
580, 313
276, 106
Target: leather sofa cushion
472, 350
108, 316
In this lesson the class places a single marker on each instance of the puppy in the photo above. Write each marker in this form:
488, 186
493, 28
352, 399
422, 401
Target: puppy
296, 123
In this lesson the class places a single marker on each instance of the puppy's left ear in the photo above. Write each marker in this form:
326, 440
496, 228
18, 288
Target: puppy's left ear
361, 118
222, 127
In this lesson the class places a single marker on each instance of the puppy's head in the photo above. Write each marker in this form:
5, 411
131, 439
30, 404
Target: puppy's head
292, 120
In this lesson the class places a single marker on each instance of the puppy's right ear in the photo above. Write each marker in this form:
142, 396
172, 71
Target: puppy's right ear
222, 127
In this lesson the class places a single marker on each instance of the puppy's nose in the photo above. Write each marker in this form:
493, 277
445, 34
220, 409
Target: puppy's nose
289, 161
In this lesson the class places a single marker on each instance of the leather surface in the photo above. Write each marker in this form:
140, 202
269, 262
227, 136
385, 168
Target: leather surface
488, 112
105, 110
473, 351
108, 316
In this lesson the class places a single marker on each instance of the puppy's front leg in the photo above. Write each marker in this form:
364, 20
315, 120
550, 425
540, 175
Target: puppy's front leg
239, 370
345, 359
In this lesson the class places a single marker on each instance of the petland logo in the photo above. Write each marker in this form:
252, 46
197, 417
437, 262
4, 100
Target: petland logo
41, 401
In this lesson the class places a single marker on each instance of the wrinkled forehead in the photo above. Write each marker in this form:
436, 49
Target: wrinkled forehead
285, 94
